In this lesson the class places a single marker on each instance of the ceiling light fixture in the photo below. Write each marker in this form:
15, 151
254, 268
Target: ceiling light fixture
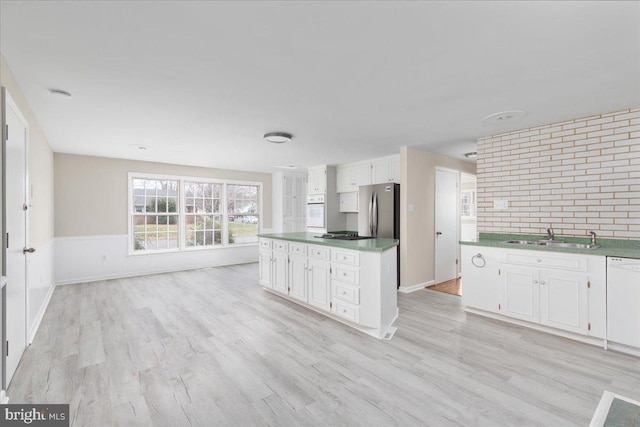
278, 137
60, 93
471, 155
505, 116
141, 146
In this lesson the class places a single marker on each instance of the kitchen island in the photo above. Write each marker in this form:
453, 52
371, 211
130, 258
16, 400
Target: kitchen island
351, 281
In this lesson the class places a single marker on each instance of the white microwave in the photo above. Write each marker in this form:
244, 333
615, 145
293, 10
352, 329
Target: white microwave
316, 211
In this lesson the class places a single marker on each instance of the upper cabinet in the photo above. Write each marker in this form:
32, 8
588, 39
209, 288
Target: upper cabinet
378, 171
385, 170
317, 179
350, 177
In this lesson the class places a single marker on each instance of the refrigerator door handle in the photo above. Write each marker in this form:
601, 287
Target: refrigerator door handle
371, 215
375, 215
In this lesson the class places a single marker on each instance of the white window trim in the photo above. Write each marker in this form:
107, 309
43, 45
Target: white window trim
181, 217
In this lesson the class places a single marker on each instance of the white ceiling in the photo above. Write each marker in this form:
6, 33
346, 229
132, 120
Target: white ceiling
201, 82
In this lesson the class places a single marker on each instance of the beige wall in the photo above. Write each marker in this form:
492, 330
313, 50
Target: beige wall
579, 175
40, 166
417, 228
91, 192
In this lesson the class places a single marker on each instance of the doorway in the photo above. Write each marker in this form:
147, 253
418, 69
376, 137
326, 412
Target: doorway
16, 220
446, 225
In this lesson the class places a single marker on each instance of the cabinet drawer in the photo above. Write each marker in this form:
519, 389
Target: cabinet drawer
297, 249
319, 252
346, 274
347, 311
265, 244
344, 292
280, 246
548, 260
346, 257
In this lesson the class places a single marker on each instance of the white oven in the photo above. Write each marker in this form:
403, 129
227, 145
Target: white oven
316, 211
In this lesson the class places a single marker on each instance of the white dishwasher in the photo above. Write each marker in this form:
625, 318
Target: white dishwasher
623, 301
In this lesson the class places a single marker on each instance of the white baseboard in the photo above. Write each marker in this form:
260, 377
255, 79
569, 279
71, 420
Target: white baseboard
413, 288
38, 320
4, 399
84, 259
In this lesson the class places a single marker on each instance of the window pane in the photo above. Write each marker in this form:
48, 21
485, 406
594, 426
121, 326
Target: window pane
242, 202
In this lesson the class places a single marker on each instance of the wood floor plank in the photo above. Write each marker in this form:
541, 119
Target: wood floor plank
210, 347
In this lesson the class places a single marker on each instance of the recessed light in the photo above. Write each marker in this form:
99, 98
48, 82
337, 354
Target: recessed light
505, 116
471, 155
60, 93
278, 137
286, 167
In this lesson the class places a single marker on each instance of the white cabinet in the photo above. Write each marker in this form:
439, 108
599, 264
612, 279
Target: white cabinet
385, 170
351, 176
480, 280
317, 179
294, 203
319, 283
349, 202
520, 293
556, 290
298, 277
347, 285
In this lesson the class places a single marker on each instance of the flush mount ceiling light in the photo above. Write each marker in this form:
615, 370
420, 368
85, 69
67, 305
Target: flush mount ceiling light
471, 155
505, 116
141, 147
278, 137
60, 93
286, 167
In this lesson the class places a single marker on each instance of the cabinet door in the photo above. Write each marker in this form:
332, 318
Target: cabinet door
317, 180
265, 264
520, 293
298, 277
349, 202
279, 277
319, 283
381, 171
346, 179
395, 169
363, 174
480, 280
289, 208
564, 302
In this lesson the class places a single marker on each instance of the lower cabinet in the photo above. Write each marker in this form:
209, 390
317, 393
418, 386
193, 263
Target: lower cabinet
559, 290
328, 279
319, 283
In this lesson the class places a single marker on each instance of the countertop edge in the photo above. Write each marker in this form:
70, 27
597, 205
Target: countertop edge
601, 251
339, 244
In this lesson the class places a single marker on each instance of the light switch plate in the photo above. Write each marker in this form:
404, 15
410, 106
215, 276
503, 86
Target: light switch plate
410, 207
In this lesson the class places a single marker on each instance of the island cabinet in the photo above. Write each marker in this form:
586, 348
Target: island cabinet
556, 292
355, 287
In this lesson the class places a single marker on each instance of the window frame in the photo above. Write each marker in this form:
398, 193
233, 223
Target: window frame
182, 247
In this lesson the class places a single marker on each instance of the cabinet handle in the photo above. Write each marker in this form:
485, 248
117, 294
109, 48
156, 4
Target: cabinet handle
538, 260
535, 282
542, 282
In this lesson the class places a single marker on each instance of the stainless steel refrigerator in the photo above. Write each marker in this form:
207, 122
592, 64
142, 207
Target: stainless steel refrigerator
379, 213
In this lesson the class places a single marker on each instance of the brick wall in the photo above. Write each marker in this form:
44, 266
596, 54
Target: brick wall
578, 176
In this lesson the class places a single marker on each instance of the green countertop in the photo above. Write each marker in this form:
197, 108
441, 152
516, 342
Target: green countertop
608, 247
369, 245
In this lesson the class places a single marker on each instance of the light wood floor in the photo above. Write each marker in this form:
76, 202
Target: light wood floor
453, 287
210, 347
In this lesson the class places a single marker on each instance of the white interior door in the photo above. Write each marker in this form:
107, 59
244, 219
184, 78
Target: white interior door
16, 223
446, 225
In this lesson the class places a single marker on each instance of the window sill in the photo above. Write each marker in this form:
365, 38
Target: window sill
189, 249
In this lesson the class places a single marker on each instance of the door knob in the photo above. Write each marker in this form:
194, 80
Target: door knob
438, 233
30, 250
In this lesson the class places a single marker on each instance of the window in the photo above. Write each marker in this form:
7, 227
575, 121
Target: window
242, 202
202, 214
467, 205
171, 213
155, 219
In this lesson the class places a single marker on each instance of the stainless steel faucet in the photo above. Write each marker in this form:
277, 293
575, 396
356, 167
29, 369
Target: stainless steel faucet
593, 237
551, 234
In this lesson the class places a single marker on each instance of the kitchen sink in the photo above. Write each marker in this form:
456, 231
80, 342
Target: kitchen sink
553, 244
569, 245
